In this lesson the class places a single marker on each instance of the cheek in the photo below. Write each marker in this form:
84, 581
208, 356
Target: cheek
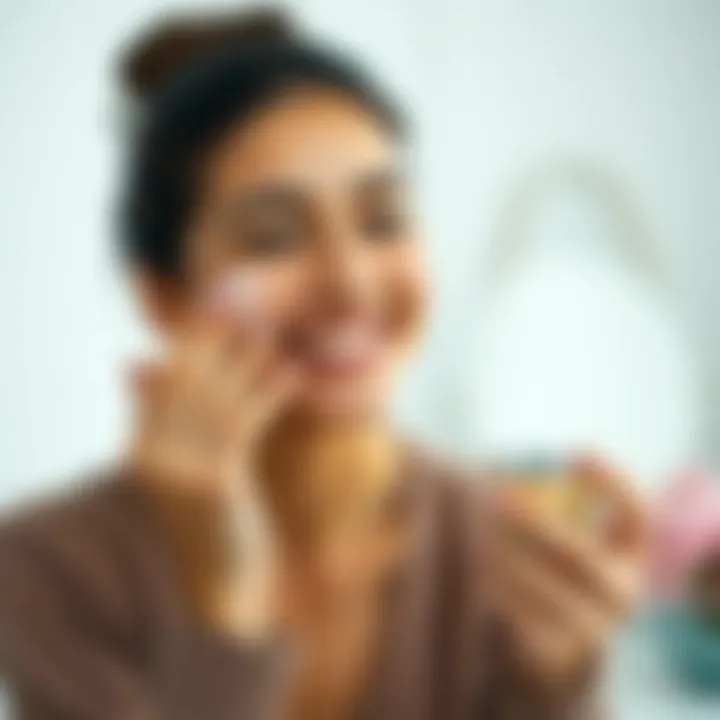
286, 293
278, 291
396, 292
408, 291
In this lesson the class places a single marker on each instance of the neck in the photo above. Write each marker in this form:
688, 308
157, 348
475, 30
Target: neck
323, 479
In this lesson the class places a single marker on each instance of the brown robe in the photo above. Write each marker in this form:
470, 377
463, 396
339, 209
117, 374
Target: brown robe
93, 624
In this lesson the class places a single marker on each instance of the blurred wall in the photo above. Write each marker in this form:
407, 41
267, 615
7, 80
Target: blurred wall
495, 86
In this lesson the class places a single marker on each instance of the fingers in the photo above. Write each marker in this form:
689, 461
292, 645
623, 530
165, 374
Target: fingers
562, 586
215, 392
145, 377
215, 338
548, 651
580, 558
541, 593
551, 654
626, 516
556, 627
271, 392
201, 410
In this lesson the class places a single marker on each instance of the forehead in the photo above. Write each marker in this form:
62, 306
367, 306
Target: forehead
316, 139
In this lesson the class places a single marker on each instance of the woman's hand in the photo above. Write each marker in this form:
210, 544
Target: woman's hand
200, 415
561, 586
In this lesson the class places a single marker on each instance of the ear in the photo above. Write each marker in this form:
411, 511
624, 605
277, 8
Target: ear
162, 300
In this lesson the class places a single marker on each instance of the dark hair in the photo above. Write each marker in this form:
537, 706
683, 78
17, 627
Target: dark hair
192, 79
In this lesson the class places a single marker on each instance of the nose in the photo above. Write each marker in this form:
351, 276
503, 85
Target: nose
346, 278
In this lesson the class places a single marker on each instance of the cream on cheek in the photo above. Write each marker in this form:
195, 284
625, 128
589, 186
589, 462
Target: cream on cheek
264, 297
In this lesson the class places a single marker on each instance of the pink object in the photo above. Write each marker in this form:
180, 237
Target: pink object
239, 294
686, 529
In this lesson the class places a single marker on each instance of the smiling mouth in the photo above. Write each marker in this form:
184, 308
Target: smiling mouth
341, 350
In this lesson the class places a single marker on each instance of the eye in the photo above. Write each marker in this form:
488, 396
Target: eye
385, 224
269, 223
269, 241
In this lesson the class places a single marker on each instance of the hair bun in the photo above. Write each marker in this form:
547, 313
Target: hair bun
169, 46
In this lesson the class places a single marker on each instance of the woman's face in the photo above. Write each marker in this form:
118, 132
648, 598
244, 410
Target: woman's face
306, 204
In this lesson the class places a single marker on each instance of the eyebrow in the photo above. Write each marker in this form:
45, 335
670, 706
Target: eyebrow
266, 198
273, 196
386, 178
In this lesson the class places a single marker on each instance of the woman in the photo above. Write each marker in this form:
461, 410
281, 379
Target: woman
270, 548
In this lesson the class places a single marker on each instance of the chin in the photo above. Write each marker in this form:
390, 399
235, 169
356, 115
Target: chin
344, 402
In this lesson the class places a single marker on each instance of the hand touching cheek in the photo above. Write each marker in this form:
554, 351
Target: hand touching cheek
201, 412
